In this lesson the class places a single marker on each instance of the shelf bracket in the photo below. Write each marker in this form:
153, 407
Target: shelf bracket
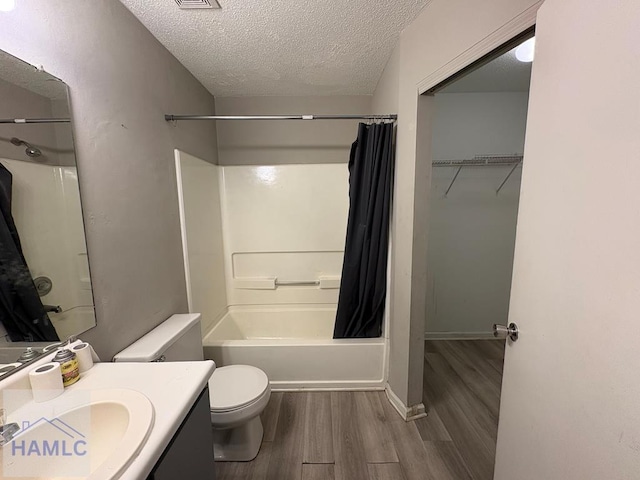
453, 180
513, 169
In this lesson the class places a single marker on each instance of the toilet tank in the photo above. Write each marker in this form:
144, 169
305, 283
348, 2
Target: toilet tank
177, 339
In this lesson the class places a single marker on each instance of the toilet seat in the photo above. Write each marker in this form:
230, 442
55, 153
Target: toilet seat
237, 394
235, 387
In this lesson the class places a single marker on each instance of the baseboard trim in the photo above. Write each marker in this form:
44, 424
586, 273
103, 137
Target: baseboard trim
458, 335
408, 414
327, 385
277, 388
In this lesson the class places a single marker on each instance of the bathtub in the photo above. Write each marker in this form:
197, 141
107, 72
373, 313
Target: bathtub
294, 346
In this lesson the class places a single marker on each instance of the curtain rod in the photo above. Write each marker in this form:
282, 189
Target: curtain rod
170, 118
35, 120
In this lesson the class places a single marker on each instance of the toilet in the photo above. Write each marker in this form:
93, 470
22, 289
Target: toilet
237, 393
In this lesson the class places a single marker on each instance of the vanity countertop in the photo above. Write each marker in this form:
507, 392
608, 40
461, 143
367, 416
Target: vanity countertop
172, 388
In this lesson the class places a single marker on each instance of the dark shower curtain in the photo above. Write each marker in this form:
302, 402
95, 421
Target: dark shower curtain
21, 311
364, 271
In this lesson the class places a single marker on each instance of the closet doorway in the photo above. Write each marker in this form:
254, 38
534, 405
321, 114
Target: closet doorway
478, 133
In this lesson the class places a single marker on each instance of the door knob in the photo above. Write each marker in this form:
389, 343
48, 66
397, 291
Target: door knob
500, 331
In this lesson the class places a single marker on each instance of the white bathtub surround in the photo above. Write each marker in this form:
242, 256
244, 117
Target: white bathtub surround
201, 227
295, 348
283, 233
284, 222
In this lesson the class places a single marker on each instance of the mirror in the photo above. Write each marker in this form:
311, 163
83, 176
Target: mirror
45, 285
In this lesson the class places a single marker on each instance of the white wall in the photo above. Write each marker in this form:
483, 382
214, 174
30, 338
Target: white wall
472, 230
284, 221
201, 220
569, 407
426, 47
46, 210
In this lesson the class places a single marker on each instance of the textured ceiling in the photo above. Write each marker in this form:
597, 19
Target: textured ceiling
281, 47
503, 74
14, 70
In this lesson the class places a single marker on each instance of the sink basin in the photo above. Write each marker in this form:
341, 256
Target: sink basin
93, 434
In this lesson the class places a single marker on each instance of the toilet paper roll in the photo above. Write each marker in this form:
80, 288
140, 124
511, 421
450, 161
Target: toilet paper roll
94, 356
46, 382
84, 354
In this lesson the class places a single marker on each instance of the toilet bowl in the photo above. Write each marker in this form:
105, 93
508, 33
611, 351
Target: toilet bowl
237, 394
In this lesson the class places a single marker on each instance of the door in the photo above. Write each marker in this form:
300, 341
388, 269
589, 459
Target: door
571, 390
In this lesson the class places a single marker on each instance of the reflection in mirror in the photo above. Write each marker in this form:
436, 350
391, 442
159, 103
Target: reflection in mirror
45, 286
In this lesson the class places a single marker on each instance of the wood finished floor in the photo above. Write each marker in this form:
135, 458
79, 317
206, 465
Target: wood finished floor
359, 436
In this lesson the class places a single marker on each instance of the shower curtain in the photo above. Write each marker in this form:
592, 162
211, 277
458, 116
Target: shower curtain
21, 311
364, 271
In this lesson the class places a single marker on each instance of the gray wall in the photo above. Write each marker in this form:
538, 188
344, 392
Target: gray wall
279, 142
472, 230
121, 81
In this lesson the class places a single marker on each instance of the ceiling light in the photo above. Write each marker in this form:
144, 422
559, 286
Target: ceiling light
525, 51
7, 5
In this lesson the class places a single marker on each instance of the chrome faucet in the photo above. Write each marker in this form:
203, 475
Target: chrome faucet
7, 430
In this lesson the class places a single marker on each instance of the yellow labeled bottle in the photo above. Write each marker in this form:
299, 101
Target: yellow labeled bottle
69, 366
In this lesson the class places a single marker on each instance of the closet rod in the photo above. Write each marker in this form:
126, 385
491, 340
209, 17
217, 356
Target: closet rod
481, 161
505, 164
170, 118
35, 120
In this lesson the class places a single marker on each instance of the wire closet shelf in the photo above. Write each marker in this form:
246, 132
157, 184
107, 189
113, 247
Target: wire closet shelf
514, 161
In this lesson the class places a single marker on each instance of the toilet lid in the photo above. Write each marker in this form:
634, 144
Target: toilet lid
235, 386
